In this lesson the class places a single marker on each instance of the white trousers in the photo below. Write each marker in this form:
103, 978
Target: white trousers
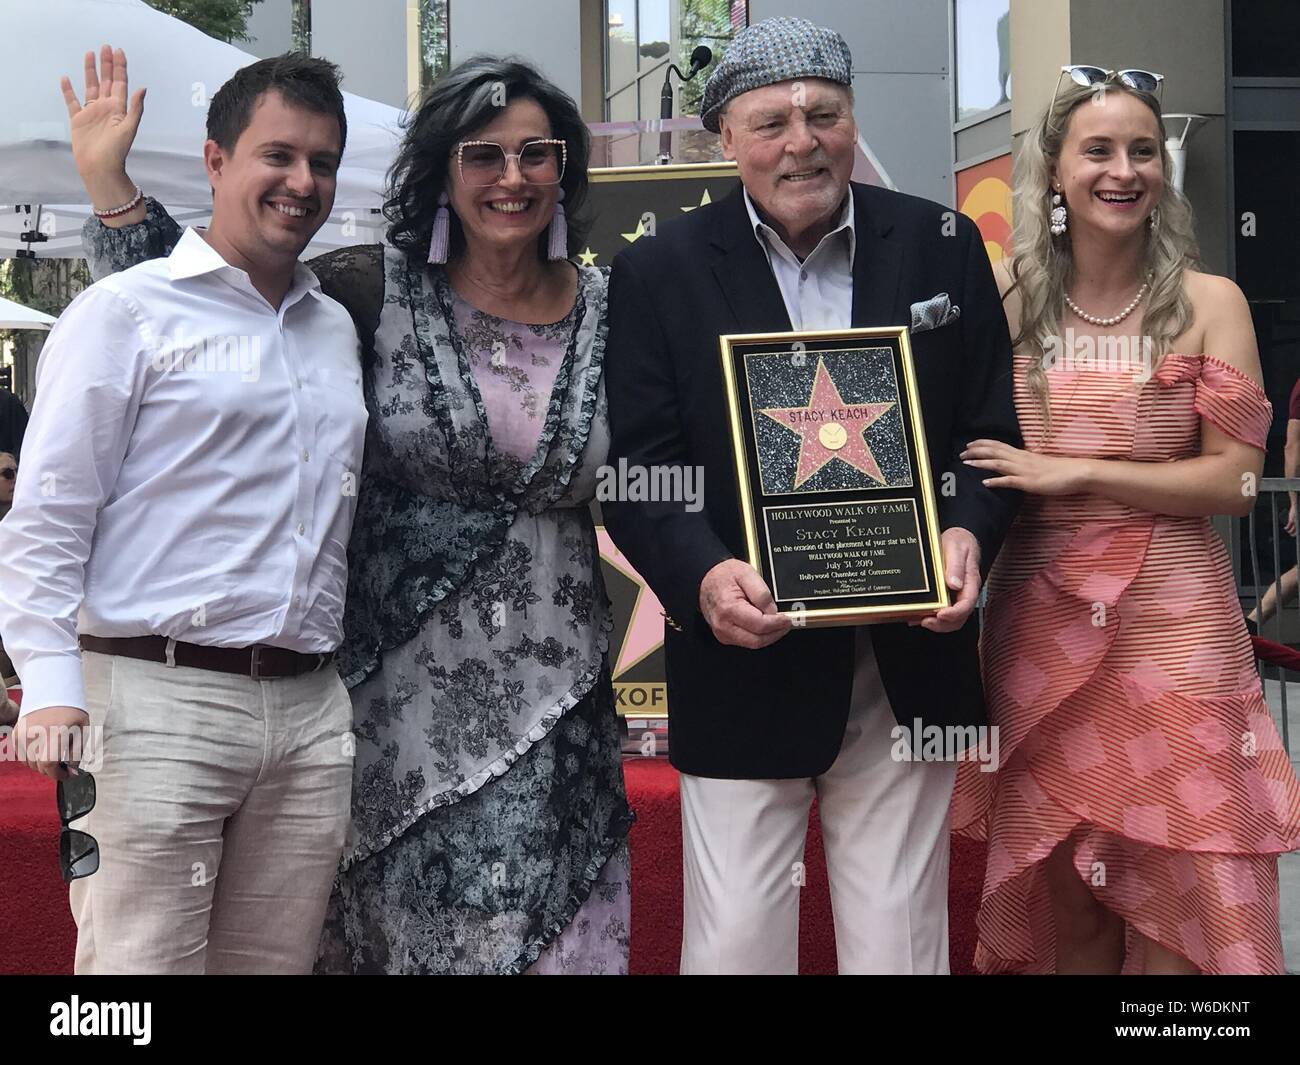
221, 807
885, 830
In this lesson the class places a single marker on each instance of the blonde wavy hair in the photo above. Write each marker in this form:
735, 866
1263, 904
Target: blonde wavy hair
1042, 264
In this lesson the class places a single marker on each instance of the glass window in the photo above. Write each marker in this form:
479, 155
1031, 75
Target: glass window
620, 52
622, 105
983, 56
650, 88
653, 34
1264, 36
624, 150
1268, 259
643, 34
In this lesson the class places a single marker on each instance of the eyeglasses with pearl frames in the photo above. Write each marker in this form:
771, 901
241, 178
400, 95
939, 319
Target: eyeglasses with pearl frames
483, 163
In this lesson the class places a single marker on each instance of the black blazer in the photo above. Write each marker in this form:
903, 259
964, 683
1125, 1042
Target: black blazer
781, 711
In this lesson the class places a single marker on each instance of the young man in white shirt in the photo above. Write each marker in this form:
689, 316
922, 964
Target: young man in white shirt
189, 487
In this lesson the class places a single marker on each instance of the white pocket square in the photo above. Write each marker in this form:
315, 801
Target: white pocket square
934, 312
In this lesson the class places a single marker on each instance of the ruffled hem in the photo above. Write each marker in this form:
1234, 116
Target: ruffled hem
1226, 809
577, 899
1153, 779
1085, 729
1219, 911
497, 768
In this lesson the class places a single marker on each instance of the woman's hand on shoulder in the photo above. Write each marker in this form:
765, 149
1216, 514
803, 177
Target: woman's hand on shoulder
1229, 331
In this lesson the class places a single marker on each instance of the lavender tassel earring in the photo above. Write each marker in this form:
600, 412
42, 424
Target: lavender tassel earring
441, 232
559, 245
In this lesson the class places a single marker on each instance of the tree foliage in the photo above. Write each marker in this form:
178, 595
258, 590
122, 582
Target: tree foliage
226, 20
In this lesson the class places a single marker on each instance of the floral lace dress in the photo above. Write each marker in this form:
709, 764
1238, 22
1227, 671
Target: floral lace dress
489, 816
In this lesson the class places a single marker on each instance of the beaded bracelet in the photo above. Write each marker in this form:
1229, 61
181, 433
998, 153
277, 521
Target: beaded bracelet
113, 212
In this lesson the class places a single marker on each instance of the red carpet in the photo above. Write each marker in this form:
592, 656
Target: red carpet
36, 930
37, 934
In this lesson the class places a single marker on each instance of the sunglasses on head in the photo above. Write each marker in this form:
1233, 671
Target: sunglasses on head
1083, 74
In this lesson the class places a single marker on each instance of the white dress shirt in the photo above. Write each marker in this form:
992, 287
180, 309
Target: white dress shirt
818, 292
189, 470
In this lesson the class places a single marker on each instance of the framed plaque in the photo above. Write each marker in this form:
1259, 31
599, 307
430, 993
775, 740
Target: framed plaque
834, 479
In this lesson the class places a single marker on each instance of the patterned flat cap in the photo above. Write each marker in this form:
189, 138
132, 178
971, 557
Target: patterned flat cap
776, 49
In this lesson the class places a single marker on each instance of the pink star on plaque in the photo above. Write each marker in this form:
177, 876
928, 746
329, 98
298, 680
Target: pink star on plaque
829, 429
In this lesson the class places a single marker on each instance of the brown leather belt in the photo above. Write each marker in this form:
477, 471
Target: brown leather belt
259, 661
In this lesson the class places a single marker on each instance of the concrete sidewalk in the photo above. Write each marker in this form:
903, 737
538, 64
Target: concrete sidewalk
1288, 864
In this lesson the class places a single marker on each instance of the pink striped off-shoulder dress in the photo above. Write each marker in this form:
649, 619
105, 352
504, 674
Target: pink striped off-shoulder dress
1120, 674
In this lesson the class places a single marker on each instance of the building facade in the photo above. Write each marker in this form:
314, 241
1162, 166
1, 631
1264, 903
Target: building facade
944, 92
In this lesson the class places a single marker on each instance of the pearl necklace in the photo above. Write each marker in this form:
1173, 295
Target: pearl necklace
1093, 320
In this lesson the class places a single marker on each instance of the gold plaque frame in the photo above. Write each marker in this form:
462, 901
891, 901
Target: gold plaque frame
856, 608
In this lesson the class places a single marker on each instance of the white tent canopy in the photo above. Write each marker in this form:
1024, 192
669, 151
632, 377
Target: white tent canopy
181, 67
16, 316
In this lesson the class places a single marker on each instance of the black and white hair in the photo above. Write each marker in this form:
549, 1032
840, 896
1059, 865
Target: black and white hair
453, 109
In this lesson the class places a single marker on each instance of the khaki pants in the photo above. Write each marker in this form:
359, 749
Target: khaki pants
221, 808
885, 830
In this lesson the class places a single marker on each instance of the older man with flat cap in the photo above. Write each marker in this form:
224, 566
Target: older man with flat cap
764, 718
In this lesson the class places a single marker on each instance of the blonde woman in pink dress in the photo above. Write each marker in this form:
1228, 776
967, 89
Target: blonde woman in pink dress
1143, 793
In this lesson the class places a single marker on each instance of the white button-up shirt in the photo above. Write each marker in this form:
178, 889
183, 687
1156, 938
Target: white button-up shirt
189, 470
818, 292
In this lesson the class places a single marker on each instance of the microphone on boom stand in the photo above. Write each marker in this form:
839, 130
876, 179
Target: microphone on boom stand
701, 57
